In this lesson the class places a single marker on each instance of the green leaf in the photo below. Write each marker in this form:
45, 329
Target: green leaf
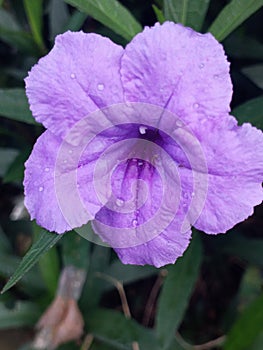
21, 315
76, 21
255, 74
249, 249
114, 329
5, 245
94, 286
8, 22
58, 17
7, 156
15, 171
14, 105
30, 281
20, 40
258, 343
159, 14
250, 286
234, 46
176, 292
76, 251
188, 12
250, 111
48, 265
45, 242
12, 34
110, 13
34, 11
247, 327
128, 273
232, 15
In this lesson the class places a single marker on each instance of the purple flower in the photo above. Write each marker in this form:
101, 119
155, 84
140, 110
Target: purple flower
140, 141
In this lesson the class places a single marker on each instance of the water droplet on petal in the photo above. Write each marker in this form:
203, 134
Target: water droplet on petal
140, 162
196, 105
192, 194
134, 223
41, 189
100, 87
179, 123
216, 76
119, 202
201, 65
185, 195
70, 151
142, 129
72, 76
46, 170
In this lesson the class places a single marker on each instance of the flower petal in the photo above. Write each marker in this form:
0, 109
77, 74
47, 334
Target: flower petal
146, 220
51, 192
164, 249
175, 67
78, 76
235, 167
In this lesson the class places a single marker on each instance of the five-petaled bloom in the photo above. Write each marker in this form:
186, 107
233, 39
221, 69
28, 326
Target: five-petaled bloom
163, 101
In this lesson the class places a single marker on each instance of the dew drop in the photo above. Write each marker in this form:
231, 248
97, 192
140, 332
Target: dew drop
46, 170
119, 202
100, 87
70, 151
140, 162
41, 189
185, 195
196, 105
134, 223
192, 194
201, 65
72, 76
142, 129
216, 76
179, 123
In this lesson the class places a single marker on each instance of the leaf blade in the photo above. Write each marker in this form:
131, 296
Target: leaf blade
34, 11
232, 15
250, 112
110, 13
19, 110
176, 292
188, 12
247, 327
45, 242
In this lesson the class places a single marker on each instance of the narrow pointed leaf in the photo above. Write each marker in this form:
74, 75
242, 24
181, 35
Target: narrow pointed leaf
250, 112
58, 17
247, 327
177, 291
255, 74
21, 315
113, 328
34, 11
14, 105
188, 12
45, 242
110, 13
159, 14
232, 15
15, 172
